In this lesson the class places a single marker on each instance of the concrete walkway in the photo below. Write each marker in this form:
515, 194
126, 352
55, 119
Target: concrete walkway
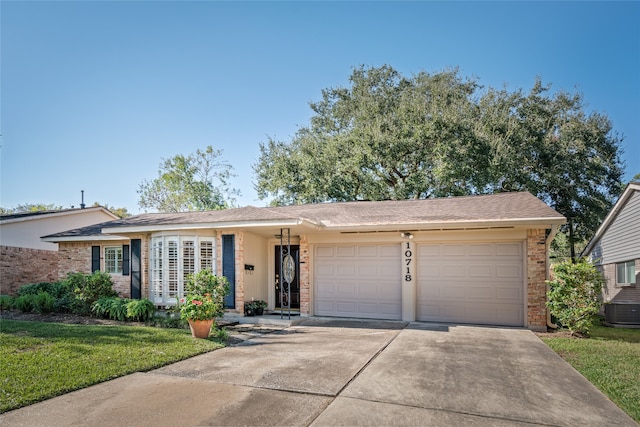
332, 372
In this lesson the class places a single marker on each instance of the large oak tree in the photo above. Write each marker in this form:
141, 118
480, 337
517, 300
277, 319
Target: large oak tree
388, 136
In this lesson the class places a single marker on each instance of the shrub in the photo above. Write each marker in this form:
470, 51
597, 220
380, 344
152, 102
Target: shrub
43, 302
574, 296
6, 302
87, 289
140, 310
101, 307
25, 303
55, 289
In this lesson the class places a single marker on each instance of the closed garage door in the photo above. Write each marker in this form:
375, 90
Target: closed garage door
478, 283
358, 281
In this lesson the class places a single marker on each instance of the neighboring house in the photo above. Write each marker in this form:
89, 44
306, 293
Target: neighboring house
475, 259
24, 257
615, 248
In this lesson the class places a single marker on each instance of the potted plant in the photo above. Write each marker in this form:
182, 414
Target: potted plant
254, 307
259, 307
204, 301
249, 309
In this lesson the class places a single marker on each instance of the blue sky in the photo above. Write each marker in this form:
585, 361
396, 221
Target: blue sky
96, 94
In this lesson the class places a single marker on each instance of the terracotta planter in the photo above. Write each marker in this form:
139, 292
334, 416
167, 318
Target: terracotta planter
200, 328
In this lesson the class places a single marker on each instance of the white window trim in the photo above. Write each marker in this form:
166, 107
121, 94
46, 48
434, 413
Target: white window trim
118, 261
159, 289
626, 282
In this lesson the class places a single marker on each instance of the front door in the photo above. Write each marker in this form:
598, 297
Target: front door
292, 273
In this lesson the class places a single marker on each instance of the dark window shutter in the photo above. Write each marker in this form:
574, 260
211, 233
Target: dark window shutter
125, 260
95, 258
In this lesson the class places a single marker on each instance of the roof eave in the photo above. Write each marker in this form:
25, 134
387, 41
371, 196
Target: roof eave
450, 225
617, 207
60, 213
93, 237
210, 225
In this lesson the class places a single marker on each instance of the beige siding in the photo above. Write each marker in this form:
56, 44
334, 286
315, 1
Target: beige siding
27, 233
256, 281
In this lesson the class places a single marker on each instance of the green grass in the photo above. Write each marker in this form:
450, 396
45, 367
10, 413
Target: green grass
610, 360
41, 360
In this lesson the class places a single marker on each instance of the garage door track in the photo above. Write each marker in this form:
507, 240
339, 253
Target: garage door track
343, 372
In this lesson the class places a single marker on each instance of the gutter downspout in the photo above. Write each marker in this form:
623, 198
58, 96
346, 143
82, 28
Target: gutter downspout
550, 237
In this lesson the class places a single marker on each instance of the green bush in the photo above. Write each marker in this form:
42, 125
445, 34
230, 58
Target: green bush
6, 302
44, 302
140, 310
123, 309
25, 303
55, 289
574, 295
87, 289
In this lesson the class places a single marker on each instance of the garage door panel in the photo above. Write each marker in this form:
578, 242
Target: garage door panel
365, 278
509, 271
509, 249
367, 251
389, 251
325, 251
471, 283
346, 251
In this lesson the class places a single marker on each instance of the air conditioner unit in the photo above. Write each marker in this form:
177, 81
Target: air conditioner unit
622, 313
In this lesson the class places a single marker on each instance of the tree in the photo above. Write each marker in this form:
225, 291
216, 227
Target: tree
119, 212
387, 136
636, 178
549, 146
197, 182
31, 207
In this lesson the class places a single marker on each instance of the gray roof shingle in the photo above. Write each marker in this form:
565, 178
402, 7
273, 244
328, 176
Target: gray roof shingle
466, 209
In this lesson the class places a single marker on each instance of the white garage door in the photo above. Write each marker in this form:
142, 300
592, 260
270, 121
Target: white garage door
478, 283
358, 281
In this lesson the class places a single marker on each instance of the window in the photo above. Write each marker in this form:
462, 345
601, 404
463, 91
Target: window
626, 273
113, 259
173, 258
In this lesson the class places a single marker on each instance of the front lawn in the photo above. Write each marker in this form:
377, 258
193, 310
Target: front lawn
610, 360
41, 360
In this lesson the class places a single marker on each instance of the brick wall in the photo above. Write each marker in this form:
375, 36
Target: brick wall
612, 292
75, 257
536, 276
21, 266
305, 285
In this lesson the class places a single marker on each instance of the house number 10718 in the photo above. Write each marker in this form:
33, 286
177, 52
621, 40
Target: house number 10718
408, 257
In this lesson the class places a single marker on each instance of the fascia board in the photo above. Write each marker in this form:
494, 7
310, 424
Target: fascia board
59, 214
105, 237
547, 222
211, 225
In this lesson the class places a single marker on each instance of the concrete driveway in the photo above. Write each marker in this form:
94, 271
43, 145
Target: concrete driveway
332, 372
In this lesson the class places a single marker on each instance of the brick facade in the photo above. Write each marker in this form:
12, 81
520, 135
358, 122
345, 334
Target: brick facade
536, 276
21, 266
75, 257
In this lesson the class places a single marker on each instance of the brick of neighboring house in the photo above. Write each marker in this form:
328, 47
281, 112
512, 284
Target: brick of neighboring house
536, 276
614, 293
21, 266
